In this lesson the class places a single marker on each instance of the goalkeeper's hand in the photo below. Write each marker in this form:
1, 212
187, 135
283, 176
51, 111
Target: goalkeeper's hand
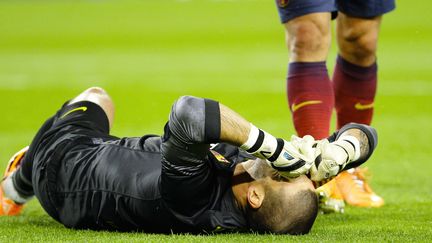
333, 158
297, 157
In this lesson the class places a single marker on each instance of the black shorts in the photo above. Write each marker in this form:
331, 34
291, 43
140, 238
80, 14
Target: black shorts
76, 124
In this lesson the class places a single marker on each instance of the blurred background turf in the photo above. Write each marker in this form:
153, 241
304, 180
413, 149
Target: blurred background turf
148, 53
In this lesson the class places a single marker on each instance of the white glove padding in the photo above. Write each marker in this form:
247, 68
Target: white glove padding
297, 157
334, 157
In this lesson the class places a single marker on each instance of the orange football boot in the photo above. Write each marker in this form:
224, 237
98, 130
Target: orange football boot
7, 206
330, 198
356, 191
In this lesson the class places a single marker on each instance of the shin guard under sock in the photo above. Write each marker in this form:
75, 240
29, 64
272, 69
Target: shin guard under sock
311, 98
354, 88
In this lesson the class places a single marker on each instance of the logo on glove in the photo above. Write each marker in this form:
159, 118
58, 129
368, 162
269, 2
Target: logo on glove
287, 156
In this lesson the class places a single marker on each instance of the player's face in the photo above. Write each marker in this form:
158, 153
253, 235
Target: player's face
300, 183
259, 169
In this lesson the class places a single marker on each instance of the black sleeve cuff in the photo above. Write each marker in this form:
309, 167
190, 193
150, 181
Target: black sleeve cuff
212, 121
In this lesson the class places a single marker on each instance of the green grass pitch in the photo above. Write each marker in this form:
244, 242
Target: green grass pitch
148, 53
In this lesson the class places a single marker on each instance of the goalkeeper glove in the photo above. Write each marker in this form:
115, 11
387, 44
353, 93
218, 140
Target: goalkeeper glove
297, 157
334, 157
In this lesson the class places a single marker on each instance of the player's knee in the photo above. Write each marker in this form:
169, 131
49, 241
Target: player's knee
100, 97
93, 94
308, 37
359, 45
96, 91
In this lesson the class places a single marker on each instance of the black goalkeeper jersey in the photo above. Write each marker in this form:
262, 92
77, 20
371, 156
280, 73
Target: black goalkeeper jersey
120, 184
85, 178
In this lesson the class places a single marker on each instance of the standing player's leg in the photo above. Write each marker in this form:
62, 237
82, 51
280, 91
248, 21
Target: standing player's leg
355, 76
310, 94
16, 187
355, 82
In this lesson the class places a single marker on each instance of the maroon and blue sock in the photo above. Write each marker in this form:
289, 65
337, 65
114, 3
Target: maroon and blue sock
310, 98
354, 87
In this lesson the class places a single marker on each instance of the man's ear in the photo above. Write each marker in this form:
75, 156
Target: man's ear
255, 195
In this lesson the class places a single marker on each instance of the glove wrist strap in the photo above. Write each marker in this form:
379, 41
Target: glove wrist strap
353, 146
262, 144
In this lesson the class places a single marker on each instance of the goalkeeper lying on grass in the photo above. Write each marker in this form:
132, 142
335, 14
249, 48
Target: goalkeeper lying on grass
211, 171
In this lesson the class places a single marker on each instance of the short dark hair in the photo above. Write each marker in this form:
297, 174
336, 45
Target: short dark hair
284, 215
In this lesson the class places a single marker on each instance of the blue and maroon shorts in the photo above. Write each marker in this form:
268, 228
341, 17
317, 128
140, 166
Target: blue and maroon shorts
290, 9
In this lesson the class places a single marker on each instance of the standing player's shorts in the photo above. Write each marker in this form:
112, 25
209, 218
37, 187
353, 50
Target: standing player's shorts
290, 9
